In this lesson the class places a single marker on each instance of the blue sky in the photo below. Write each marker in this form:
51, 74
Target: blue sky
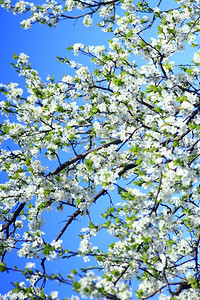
43, 44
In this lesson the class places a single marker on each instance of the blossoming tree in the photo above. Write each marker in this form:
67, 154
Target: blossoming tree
137, 121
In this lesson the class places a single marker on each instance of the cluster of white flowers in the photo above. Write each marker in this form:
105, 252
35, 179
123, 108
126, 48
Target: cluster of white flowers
77, 47
196, 58
87, 21
20, 7
126, 131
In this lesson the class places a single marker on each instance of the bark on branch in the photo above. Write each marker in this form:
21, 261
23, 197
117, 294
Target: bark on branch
81, 156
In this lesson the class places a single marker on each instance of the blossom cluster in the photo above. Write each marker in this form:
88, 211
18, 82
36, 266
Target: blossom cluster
124, 136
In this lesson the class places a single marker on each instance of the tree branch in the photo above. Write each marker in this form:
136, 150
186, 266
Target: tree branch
81, 156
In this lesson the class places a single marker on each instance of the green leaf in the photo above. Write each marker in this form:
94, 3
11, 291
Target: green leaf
70, 48
115, 273
47, 192
91, 225
139, 293
76, 285
158, 109
135, 149
160, 29
42, 294
56, 141
118, 81
15, 56
193, 282
28, 161
89, 163
175, 143
3, 267
28, 290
